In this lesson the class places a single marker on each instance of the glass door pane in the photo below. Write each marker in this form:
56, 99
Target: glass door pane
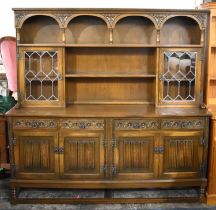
179, 76
41, 75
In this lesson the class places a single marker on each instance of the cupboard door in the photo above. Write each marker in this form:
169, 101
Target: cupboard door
34, 155
40, 76
180, 71
83, 155
134, 155
183, 155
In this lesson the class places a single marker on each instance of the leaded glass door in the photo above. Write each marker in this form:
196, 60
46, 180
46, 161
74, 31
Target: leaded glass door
179, 77
41, 77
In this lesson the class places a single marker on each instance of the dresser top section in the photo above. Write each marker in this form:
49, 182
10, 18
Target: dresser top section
110, 15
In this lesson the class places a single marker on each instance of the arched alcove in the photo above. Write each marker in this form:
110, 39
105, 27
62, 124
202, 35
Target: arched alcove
87, 30
134, 30
180, 30
40, 29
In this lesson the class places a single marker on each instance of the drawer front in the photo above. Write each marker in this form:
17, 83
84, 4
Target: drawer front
82, 124
137, 124
189, 123
35, 124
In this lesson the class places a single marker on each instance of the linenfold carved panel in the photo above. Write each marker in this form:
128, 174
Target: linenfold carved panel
36, 153
179, 153
77, 150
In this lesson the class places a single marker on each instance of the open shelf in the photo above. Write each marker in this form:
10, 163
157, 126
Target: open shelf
180, 30
109, 91
134, 30
86, 29
40, 29
80, 75
107, 61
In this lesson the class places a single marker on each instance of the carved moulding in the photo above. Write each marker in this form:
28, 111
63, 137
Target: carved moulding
159, 18
18, 19
186, 124
82, 124
110, 19
37, 123
202, 19
136, 124
62, 19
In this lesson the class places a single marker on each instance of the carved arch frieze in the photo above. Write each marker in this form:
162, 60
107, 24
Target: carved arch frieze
20, 18
119, 17
67, 19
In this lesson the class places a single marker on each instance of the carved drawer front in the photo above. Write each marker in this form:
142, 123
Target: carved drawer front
85, 124
139, 124
190, 123
34, 124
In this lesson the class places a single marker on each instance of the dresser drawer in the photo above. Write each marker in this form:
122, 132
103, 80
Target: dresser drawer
25, 123
189, 123
137, 124
80, 124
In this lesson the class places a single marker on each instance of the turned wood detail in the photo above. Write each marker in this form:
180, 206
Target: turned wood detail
136, 124
37, 123
82, 124
186, 124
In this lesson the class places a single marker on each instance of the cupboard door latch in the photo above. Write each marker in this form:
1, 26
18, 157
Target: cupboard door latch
60, 77
59, 150
203, 141
104, 143
161, 77
113, 143
56, 150
13, 141
114, 171
159, 150
104, 168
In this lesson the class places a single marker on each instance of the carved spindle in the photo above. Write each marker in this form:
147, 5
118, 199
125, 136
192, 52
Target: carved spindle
18, 36
202, 37
63, 35
158, 36
110, 36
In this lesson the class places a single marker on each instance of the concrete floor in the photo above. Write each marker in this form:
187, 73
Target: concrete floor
5, 204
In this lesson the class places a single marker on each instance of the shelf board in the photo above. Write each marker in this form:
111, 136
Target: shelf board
42, 45
111, 45
110, 75
212, 78
111, 110
181, 45
111, 102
